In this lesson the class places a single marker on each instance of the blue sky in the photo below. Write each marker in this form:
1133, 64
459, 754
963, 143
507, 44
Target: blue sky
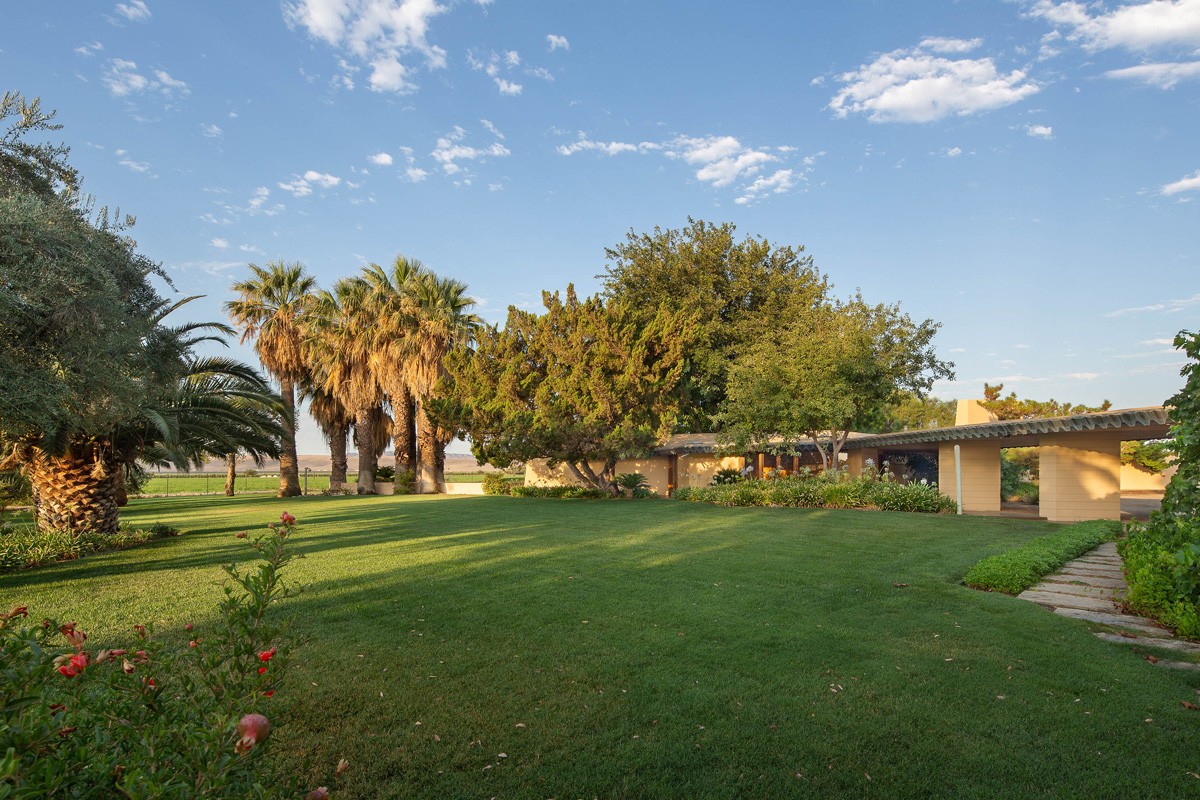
1026, 173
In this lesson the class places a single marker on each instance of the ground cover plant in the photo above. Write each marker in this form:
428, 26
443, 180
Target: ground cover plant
488, 646
1014, 571
23, 546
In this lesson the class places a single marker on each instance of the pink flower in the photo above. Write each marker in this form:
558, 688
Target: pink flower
261, 670
267, 655
141, 631
240, 534
287, 518
126, 667
76, 638
79, 661
68, 670
252, 728
193, 643
269, 693
320, 793
188, 626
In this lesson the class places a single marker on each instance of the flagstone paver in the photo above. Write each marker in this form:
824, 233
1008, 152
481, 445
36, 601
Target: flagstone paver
1091, 588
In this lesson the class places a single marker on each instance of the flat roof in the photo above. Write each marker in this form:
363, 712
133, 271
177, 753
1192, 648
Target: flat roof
1151, 422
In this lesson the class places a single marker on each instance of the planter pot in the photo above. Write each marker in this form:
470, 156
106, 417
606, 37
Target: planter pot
384, 488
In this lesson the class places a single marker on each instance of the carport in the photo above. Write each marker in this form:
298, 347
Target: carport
1080, 455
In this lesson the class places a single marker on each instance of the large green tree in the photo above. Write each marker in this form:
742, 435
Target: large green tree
586, 383
735, 289
1013, 407
820, 374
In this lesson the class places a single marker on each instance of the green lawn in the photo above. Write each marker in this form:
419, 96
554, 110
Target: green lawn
660, 650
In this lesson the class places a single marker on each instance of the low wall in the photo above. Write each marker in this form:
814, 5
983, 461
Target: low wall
1138, 480
464, 488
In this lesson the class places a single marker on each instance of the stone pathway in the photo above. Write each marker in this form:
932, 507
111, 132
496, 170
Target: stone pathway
1091, 588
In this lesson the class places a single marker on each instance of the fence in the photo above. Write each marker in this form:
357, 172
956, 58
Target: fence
166, 484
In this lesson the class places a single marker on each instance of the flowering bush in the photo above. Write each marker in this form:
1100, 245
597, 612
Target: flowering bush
148, 720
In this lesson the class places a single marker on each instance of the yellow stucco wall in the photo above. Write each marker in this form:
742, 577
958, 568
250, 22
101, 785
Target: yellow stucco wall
970, 412
697, 469
1138, 480
1080, 477
537, 473
980, 474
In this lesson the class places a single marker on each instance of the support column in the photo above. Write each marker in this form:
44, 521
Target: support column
980, 474
1079, 477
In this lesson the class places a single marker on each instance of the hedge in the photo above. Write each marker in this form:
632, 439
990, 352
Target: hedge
1014, 571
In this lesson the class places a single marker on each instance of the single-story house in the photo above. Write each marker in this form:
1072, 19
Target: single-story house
1081, 476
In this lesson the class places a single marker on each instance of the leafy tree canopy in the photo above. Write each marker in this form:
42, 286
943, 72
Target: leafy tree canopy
586, 383
733, 289
823, 373
1012, 407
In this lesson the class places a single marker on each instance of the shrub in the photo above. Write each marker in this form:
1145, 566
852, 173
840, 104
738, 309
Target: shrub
25, 546
633, 484
1162, 557
385, 474
724, 477
1014, 571
565, 492
834, 490
495, 483
404, 481
149, 720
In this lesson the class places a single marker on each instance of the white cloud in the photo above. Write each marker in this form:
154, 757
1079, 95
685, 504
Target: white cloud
508, 87
298, 187
493, 65
939, 44
122, 78
375, 32
450, 150
583, 144
89, 49
1138, 26
259, 197
917, 86
322, 179
219, 243
251, 248
211, 131
719, 161
1082, 376
1158, 342
1039, 131
134, 10
302, 186
1168, 306
1164, 75
129, 163
952, 152
487, 123
415, 174
382, 159
779, 183
557, 42
1188, 184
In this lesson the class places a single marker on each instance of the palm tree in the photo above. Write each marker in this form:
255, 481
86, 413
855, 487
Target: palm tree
394, 306
443, 323
334, 420
337, 345
270, 310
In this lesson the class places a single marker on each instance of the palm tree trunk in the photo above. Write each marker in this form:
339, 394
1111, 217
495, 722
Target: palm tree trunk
404, 432
230, 474
121, 487
427, 454
74, 493
364, 440
337, 455
289, 466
